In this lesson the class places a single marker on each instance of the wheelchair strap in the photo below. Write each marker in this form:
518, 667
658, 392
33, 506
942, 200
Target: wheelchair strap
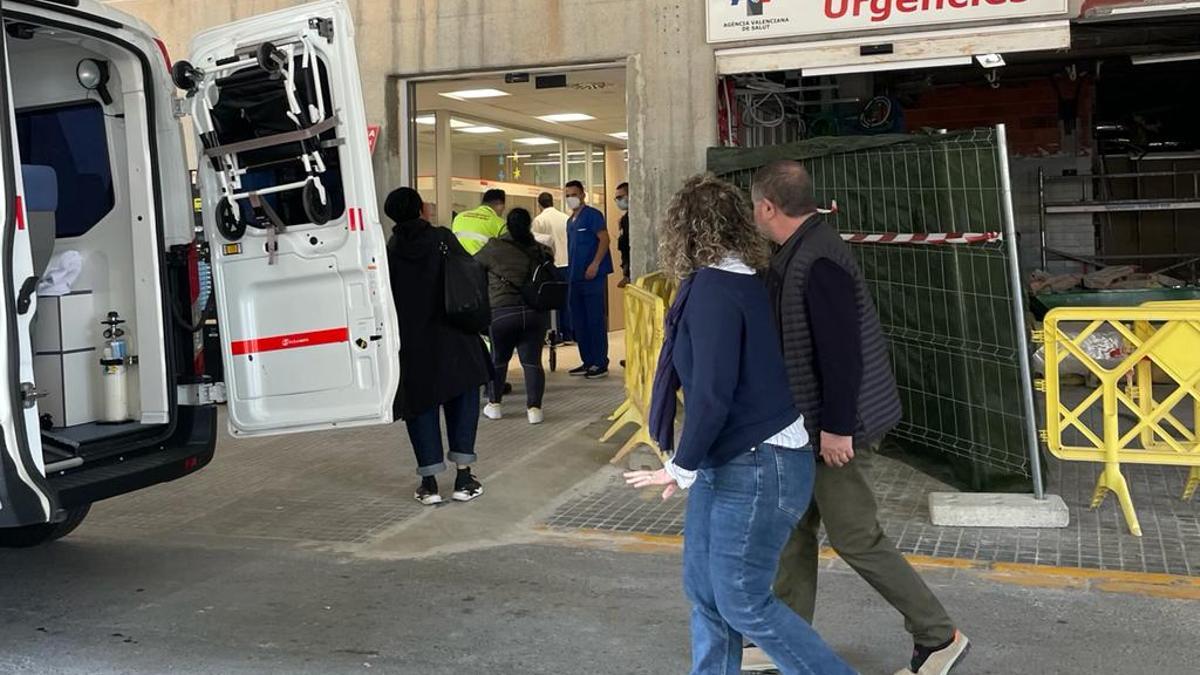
298, 136
263, 211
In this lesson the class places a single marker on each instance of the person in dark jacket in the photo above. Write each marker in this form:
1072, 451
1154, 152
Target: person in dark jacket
744, 451
441, 367
842, 381
510, 261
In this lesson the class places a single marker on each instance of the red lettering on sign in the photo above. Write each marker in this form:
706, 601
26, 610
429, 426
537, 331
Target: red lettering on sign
880, 11
836, 13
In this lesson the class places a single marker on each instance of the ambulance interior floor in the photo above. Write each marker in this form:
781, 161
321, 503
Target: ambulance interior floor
307, 554
73, 437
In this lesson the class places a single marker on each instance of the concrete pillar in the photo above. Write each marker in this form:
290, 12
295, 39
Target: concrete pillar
672, 109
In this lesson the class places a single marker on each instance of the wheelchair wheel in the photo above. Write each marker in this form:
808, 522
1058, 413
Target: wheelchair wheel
184, 75
553, 359
228, 224
270, 59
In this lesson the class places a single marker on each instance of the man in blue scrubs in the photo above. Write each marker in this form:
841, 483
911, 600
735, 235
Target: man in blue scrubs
589, 265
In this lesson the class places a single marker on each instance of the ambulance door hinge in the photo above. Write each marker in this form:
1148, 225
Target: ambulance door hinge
30, 395
200, 394
324, 28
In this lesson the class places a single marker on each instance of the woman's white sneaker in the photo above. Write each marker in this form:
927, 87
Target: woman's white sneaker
536, 416
493, 411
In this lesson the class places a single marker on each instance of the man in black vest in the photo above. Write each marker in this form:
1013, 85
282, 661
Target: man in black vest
842, 382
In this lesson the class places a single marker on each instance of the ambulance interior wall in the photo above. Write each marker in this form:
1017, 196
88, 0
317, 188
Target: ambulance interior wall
44, 74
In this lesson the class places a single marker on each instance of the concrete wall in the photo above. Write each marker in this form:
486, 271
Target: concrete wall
671, 71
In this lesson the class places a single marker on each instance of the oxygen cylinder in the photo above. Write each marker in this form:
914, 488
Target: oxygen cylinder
115, 371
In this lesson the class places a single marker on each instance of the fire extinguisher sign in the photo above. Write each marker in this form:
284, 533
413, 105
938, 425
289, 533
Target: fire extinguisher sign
373, 131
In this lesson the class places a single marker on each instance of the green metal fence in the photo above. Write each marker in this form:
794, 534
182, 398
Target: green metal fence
948, 309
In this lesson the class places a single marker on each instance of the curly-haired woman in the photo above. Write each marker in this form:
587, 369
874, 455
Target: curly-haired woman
744, 452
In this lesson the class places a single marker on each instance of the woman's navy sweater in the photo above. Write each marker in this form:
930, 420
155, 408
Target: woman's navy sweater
728, 358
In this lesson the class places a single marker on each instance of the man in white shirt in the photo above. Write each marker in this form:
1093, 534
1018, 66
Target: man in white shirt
552, 223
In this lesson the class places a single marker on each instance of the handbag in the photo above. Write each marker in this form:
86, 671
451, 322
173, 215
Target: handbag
465, 289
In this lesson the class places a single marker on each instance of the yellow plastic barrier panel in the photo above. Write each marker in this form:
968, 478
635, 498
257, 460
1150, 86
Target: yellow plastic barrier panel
1143, 403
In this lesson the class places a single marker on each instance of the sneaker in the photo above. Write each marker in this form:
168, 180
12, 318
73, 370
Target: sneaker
427, 493
597, 373
938, 660
466, 486
536, 416
581, 371
755, 660
492, 411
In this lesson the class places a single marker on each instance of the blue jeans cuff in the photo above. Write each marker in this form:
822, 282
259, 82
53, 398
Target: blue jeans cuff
431, 470
462, 458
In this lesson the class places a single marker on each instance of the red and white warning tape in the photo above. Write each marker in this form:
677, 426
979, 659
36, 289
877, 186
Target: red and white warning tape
920, 238
924, 238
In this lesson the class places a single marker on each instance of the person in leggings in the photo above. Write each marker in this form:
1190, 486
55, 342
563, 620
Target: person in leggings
745, 453
510, 261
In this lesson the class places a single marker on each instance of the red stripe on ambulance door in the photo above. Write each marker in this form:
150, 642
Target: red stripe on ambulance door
293, 341
19, 205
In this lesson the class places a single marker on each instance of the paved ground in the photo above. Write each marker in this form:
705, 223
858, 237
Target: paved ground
306, 555
100, 607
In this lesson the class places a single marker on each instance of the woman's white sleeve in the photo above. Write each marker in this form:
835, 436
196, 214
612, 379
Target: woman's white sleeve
683, 477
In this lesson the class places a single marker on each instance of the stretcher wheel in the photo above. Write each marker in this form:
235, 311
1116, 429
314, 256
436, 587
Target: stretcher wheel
315, 207
185, 76
228, 224
270, 58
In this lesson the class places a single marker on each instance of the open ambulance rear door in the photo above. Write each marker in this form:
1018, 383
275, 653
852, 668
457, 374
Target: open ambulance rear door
308, 329
25, 498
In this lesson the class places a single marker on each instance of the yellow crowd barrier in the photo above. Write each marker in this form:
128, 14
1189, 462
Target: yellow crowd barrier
646, 303
1147, 396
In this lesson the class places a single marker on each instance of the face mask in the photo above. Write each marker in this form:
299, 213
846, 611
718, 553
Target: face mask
623, 203
574, 203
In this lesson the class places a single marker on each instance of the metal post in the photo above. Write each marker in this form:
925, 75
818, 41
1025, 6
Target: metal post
1018, 305
1042, 213
444, 183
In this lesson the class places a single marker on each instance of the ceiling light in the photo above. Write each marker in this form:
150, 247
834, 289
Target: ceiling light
990, 60
480, 130
536, 140
888, 65
566, 117
470, 94
623, 135
1145, 59
431, 120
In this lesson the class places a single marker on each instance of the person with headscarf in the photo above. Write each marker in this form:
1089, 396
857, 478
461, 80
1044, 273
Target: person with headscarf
441, 367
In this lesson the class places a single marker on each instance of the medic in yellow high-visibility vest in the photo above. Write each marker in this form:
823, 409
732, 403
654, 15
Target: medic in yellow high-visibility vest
476, 227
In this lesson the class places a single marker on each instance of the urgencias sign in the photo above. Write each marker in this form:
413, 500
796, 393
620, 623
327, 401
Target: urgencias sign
738, 20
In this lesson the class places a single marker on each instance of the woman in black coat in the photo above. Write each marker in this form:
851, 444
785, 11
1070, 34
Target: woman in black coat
441, 367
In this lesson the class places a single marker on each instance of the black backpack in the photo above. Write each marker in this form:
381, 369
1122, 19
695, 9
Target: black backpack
466, 288
545, 290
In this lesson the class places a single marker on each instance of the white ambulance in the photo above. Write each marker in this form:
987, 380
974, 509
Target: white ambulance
97, 218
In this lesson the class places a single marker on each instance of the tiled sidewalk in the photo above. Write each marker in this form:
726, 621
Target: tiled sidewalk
1094, 539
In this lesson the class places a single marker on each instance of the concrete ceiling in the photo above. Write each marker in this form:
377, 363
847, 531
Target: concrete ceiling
599, 93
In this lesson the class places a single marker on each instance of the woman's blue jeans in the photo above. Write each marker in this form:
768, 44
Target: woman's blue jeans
739, 517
